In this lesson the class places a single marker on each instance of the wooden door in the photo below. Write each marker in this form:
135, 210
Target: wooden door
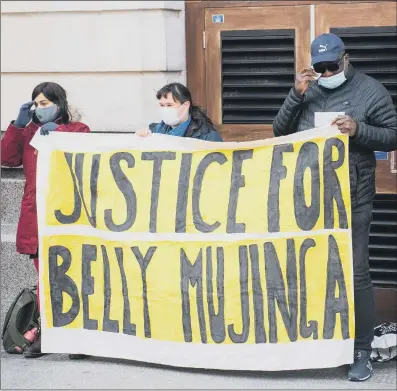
251, 57
370, 34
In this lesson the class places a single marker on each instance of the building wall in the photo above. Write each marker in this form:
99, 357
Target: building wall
110, 56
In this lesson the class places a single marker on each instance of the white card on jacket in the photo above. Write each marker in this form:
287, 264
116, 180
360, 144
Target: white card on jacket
325, 118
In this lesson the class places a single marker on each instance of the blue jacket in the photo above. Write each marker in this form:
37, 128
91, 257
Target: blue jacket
205, 132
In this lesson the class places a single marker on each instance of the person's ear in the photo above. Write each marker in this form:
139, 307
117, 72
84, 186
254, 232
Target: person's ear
186, 105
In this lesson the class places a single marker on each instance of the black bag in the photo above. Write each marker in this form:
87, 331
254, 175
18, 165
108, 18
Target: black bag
21, 317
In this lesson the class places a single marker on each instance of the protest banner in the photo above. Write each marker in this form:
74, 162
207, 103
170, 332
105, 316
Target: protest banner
189, 253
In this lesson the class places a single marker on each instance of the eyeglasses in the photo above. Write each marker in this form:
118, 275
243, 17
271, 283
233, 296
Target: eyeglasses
322, 67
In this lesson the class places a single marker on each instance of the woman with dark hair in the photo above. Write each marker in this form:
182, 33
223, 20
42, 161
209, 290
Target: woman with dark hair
180, 117
48, 111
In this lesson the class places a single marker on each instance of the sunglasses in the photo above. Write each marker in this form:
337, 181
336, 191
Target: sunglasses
322, 67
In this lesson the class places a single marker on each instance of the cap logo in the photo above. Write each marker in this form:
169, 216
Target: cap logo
323, 48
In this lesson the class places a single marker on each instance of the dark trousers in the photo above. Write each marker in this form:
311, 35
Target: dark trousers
364, 299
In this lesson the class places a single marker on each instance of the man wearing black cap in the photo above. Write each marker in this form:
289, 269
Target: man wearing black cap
367, 115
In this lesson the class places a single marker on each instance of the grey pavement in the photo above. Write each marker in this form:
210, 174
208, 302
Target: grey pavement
56, 371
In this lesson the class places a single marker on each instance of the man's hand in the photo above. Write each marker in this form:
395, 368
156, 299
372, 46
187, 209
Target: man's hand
346, 125
303, 79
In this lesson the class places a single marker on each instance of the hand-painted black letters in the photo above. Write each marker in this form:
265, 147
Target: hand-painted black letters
144, 263
334, 305
126, 188
59, 283
128, 327
237, 181
89, 254
217, 321
307, 216
108, 324
192, 273
332, 188
234, 336
198, 221
276, 291
183, 193
78, 189
306, 331
158, 158
278, 172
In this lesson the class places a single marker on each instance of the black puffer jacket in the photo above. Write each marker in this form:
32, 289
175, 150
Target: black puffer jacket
367, 102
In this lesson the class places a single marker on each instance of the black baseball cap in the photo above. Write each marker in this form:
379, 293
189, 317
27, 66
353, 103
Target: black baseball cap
326, 48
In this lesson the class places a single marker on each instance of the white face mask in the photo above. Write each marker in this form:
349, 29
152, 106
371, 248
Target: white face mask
332, 82
170, 115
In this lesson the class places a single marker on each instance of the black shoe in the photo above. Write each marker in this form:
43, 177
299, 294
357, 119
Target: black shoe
361, 369
15, 350
34, 350
77, 356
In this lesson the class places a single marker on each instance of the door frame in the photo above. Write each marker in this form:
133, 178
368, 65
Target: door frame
386, 298
195, 35
213, 57
383, 14
380, 11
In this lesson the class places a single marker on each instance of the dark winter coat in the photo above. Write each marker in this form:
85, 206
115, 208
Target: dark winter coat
367, 102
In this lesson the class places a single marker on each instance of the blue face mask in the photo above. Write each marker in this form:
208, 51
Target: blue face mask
47, 114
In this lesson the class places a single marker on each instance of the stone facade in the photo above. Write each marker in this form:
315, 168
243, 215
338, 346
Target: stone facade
110, 56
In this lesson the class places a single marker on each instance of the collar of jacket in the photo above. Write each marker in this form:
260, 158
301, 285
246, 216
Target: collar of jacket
58, 121
193, 130
350, 73
196, 131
